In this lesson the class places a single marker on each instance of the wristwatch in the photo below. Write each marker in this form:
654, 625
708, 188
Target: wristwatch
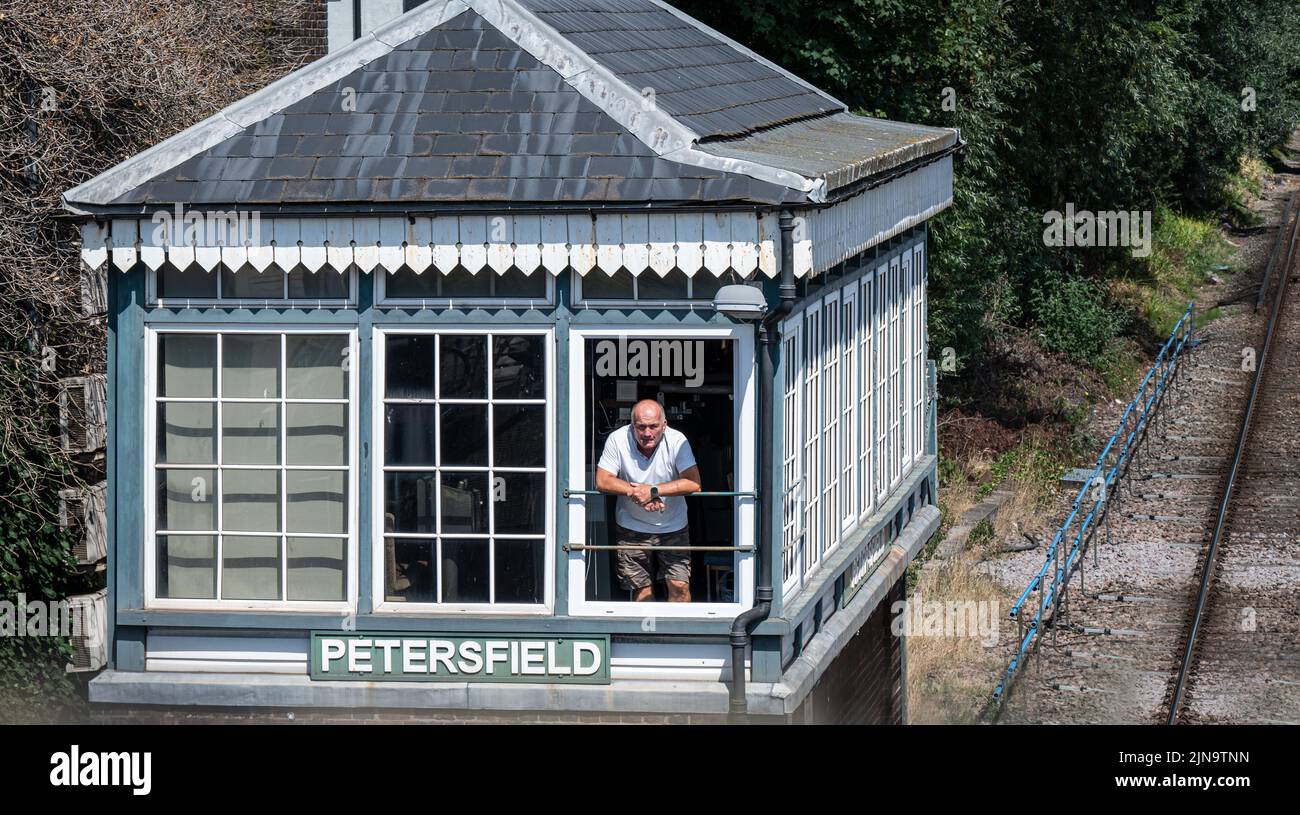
654, 493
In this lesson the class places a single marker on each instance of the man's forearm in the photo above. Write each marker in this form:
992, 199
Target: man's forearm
681, 486
614, 485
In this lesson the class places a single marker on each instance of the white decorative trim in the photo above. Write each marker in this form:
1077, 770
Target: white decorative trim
639, 242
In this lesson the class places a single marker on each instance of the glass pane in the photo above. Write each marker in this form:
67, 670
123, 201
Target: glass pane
250, 365
464, 502
519, 500
316, 501
317, 568
326, 284
599, 286
410, 502
409, 366
519, 367
187, 567
250, 433
465, 571
187, 365
248, 283
464, 435
461, 283
191, 283
252, 501
704, 285
317, 434
409, 434
519, 571
519, 435
186, 433
411, 570
187, 499
651, 286
315, 366
463, 366
515, 284
406, 283
250, 568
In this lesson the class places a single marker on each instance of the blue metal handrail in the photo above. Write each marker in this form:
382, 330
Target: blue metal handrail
1142, 407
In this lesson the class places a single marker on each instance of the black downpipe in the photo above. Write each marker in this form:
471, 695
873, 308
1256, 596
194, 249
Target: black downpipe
768, 341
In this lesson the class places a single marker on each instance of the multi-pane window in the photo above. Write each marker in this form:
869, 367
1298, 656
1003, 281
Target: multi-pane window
812, 349
830, 415
919, 352
181, 286
465, 445
848, 406
252, 466
866, 405
854, 411
649, 287
792, 452
461, 285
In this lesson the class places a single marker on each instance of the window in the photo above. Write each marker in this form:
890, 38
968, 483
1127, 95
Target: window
648, 288
883, 450
848, 515
812, 349
460, 286
894, 397
247, 286
792, 465
831, 447
906, 324
919, 373
866, 405
252, 454
464, 434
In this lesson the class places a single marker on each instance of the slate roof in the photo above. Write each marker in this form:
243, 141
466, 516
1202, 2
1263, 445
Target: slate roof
459, 114
441, 106
698, 78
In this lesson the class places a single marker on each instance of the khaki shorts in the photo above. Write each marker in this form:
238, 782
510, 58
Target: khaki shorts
634, 565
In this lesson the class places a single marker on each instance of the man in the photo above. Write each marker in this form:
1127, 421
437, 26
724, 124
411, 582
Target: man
650, 466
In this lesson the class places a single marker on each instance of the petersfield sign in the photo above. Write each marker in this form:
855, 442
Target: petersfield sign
461, 658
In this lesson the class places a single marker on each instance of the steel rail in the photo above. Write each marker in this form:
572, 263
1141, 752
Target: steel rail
1220, 524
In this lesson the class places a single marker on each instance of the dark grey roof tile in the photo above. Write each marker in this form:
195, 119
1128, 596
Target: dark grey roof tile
369, 145
330, 167
266, 190
474, 166
455, 144
413, 144
382, 166
445, 189
290, 167
489, 189
308, 189
321, 145
436, 123
469, 102
344, 124
483, 123
418, 167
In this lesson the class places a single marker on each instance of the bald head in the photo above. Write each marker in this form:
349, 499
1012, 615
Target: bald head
648, 425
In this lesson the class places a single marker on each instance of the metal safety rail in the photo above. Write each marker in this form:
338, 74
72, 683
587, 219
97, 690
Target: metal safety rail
579, 547
1070, 544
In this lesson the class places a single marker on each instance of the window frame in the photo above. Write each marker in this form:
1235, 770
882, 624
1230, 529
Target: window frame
793, 535
380, 331
382, 300
581, 302
744, 464
150, 468
154, 300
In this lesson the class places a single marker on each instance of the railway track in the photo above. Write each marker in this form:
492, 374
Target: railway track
1241, 654
1185, 547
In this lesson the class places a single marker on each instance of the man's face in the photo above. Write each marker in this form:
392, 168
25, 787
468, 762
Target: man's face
648, 426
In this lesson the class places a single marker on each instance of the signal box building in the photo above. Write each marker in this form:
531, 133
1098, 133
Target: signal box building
371, 327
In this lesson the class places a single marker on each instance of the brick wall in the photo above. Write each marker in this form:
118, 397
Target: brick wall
309, 26
864, 684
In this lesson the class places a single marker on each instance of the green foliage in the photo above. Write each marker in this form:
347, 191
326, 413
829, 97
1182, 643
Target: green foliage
1073, 317
1107, 104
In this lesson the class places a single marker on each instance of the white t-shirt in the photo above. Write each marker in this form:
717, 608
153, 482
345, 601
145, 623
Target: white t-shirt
671, 457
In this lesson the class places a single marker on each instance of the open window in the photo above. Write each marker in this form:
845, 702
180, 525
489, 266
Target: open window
703, 378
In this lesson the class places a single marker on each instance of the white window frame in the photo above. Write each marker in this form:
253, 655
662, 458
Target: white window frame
881, 320
582, 302
152, 601
895, 399
382, 300
849, 440
907, 326
832, 445
793, 487
306, 303
378, 547
812, 452
920, 374
866, 402
744, 467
